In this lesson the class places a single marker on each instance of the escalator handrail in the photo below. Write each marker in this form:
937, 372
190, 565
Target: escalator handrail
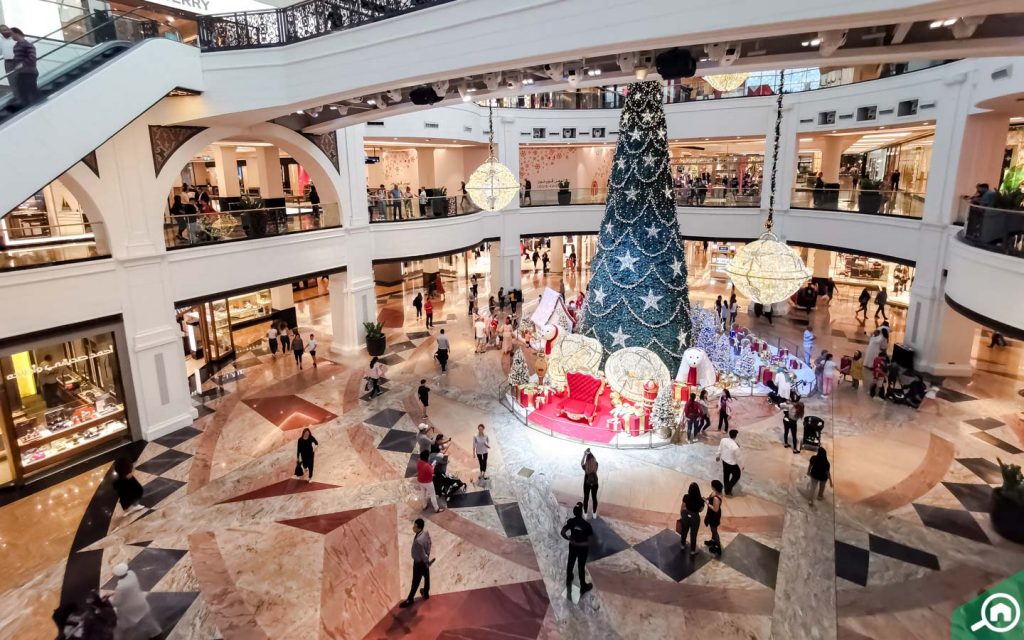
111, 20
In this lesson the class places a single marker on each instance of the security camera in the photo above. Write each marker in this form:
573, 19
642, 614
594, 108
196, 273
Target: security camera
513, 80
554, 70
724, 53
573, 77
440, 88
395, 95
492, 80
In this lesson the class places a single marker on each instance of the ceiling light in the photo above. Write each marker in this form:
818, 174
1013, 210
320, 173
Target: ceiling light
641, 73
527, 80
835, 131
949, 22
935, 25
170, 19
371, 101
815, 42
806, 139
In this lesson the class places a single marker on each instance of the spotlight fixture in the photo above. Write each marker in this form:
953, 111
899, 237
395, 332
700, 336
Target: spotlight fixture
593, 72
315, 111
811, 43
395, 95
528, 81
370, 102
554, 70
465, 92
440, 88
948, 22
641, 73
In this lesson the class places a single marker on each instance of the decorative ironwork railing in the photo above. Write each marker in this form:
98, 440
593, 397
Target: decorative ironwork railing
298, 22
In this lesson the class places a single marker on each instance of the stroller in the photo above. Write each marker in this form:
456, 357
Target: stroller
813, 426
447, 485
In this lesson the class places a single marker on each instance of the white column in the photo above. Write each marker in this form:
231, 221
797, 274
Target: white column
353, 300
981, 153
831, 156
941, 200
268, 169
557, 254
511, 262
786, 175
225, 159
822, 263
282, 297
506, 137
496, 281
353, 176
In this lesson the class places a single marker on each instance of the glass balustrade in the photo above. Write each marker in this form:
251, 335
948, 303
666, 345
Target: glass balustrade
877, 202
40, 245
996, 230
215, 227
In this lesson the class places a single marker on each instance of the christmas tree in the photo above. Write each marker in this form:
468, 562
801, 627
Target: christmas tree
746, 363
721, 353
663, 415
519, 374
638, 295
705, 326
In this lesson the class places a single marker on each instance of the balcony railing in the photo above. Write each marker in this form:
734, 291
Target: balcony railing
996, 230
885, 202
248, 224
44, 245
402, 209
297, 22
715, 196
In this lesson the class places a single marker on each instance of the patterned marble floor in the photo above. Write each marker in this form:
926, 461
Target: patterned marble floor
231, 546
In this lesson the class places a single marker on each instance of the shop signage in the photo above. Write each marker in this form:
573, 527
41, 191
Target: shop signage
208, 7
66, 362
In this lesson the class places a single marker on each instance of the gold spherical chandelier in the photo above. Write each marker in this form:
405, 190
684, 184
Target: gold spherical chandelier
726, 82
492, 185
768, 270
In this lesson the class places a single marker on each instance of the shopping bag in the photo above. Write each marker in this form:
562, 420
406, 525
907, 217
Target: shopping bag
298, 469
679, 526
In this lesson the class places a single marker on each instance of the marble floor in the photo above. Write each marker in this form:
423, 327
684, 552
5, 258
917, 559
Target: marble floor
231, 546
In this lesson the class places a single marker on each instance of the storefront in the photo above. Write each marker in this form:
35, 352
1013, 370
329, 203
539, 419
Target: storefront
63, 400
865, 271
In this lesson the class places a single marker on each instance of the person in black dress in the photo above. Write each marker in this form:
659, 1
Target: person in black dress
693, 504
306, 446
713, 517
127, 486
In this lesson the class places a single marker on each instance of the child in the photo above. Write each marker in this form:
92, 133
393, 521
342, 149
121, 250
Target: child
424, 393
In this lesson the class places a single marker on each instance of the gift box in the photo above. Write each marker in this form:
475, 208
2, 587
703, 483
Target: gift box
614, 424
539, 400
767, 375
637, 422
680, 391
650, 392
527, 393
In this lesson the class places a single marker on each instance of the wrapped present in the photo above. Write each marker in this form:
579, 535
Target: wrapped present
638, 422
539, 400
614, 424
650, 392
527, 392
783, 353
680, 391
767, 375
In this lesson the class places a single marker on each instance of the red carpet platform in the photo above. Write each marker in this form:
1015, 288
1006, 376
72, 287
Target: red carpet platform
547, 417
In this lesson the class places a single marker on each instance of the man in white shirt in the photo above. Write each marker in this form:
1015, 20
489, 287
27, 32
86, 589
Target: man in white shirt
480, 331
729, 454
272, 340
443, 349
7, 49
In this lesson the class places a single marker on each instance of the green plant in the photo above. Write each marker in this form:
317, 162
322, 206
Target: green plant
374, 330
1013, 483
563, 185
1009, 194
245, 203
870, 184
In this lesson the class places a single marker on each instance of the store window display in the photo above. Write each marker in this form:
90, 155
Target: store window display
865, 271
60, 400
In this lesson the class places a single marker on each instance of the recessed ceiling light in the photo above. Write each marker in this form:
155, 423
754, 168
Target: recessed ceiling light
371, 101
396, 138
806, 139
949, 22
428, 139
835, 131
935, 25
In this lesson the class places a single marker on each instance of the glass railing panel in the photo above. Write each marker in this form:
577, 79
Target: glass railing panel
996, 230
249, 224
23, 247
389, 209
886, 202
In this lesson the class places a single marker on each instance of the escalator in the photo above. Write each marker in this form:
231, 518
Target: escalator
89, 88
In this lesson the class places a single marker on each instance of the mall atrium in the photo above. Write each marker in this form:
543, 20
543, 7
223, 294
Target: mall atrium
662, 319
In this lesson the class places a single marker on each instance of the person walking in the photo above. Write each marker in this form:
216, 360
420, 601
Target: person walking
374, 373
417, 303
272, 340
7, 43
298, 348
423, 202
424, 394
545, 260
880, 375
306, 445
527, 186
127, 487
464, 200
578, 532
894, 180
407, 201
443, 349
423, 438
135, 619
819, 471
311, 349
513, 299
724, 316
428, 309
863, 300
535, 257
590, 484
425, 480
856, 369
724, 410
481, 447
689, 514
713, 518
705, 411
828, 376
26, 75
284, 335
808, 345
880, 299
694, 418
421, 562
729, 454
791, 416
505, 336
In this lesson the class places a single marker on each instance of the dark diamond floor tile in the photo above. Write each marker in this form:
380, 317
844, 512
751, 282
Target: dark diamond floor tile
473, 499
150, 565
418, 335
605, 541
800, 322
951, 395
984, 469
958, 523
157, 490
168, 607
974, 497
526, 472
366, 397
664, 551
177, 437
400, 441
442, 322
985, 423
202, 410
215, 392
838, 333
753, 559
401, 346
985, 436
852, 563
392, 359
385, 418
858, 340
144, 543
450, 316
893, 549
511, 519
250, 360
163, 462
410, 469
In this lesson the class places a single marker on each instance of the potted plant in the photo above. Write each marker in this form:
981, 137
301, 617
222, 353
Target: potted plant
1009, 196
439, 202
376, 343
869, 197
564, 195
252, 216
1008, 504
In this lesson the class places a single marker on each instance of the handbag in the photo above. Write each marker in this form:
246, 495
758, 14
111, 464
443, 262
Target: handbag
298, 469
679, 526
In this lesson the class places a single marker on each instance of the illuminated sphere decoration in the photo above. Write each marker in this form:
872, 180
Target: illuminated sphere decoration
726, 82
492, 186
767, 270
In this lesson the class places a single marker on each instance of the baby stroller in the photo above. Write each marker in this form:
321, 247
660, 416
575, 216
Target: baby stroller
813, 426
447, 485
